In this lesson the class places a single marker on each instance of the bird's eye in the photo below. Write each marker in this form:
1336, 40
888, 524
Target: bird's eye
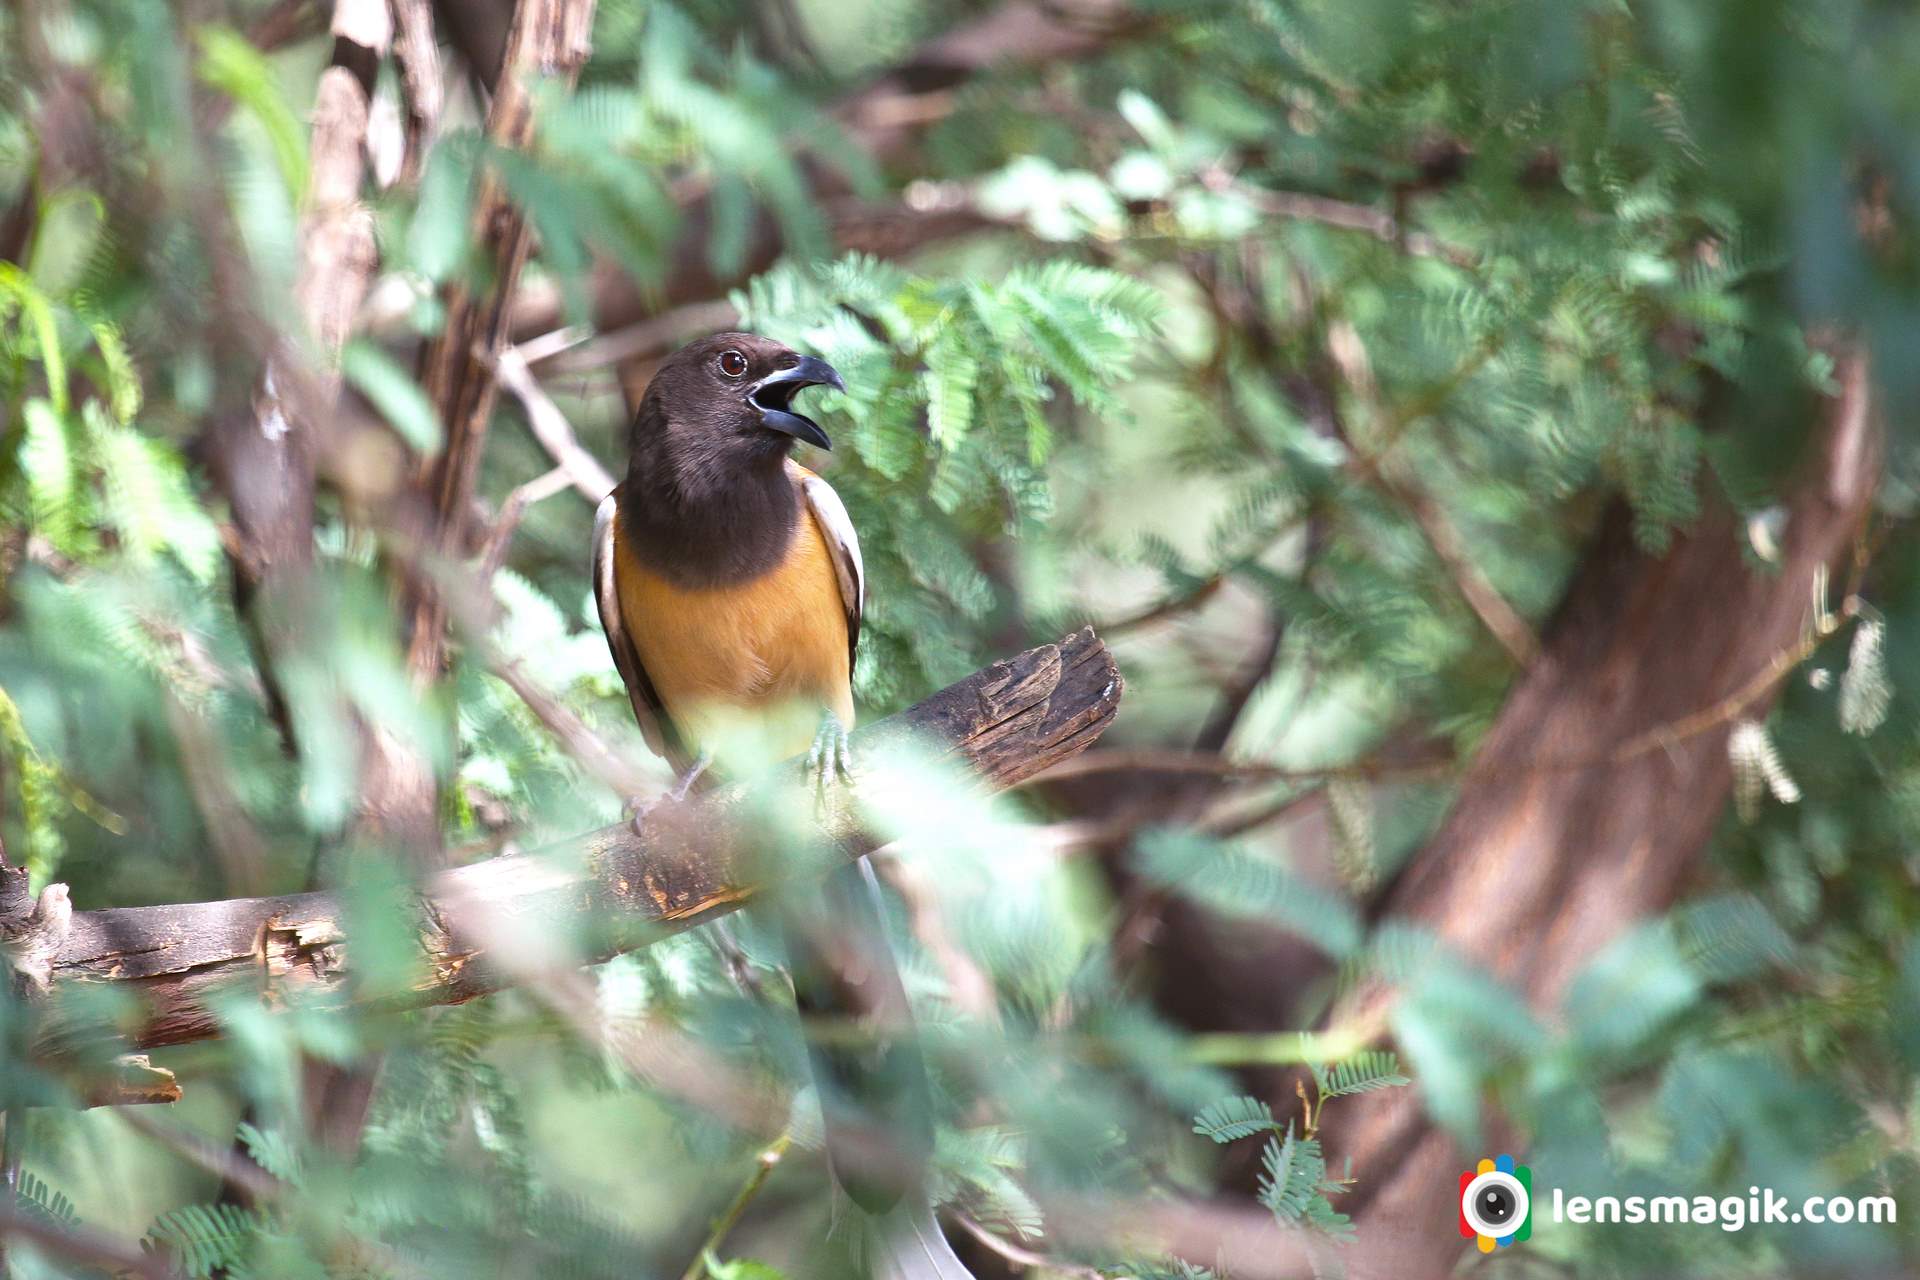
733, 364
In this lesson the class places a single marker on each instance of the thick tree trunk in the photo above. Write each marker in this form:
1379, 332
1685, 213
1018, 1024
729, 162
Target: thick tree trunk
1597, 790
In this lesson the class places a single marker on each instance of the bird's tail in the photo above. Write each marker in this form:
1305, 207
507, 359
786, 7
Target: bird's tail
874, 1096
912, 1247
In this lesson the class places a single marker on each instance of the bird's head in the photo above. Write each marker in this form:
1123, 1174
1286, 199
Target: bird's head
734, 391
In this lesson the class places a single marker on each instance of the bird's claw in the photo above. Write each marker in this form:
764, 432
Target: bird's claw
829, 760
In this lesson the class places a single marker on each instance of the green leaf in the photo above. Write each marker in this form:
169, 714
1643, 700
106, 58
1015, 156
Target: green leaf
16, 284
1147, 119
1629, 989
740, 1269
1730, 936
64, 238
437, 236
42, 1201
1285, 1181
950, 378
40, 790
150, 501
123, 379
232, 64
400, 399
203, 1239
1235, 1118
272, 1151
1363, 1073
46, 461
1228, 879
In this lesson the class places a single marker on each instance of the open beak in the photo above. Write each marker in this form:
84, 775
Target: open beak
773, 397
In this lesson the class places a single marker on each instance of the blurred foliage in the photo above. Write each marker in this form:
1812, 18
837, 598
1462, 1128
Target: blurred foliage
1170, 375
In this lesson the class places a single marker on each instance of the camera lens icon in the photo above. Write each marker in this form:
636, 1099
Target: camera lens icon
1493, 1202
1496, 1203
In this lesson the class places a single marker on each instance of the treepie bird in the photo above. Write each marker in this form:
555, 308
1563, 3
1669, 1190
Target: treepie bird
730, 586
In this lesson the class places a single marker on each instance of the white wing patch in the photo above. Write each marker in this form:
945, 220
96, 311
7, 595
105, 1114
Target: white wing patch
831, 513
646, 704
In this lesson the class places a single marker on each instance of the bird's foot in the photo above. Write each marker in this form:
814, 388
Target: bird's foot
829, 761
640, 810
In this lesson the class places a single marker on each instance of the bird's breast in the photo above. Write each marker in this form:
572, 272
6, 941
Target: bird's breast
774, 644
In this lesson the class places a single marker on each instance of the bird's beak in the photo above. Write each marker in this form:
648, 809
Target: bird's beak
773, 397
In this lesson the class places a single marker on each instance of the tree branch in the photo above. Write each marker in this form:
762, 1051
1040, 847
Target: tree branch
265, 461
1575, 819
418, 54
548, 38
693, 863
551, 428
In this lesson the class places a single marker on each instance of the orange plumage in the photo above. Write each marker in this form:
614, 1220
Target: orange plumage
776, 643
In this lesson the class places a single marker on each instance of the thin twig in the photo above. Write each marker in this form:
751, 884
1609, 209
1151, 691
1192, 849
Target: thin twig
1079, 835
237, 843
1660, 737
1238, 691
1673, 732
1502, 621
546, 346
286, 22
551, 428
627, 777
1231, 823
1396, 421
690, 863
1286, 1048
1173, 606
494, 553
1500, 618
763, 1167
261, 1187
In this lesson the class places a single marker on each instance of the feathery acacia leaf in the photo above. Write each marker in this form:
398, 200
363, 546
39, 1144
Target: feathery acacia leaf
1365, 1072
1235, 1118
